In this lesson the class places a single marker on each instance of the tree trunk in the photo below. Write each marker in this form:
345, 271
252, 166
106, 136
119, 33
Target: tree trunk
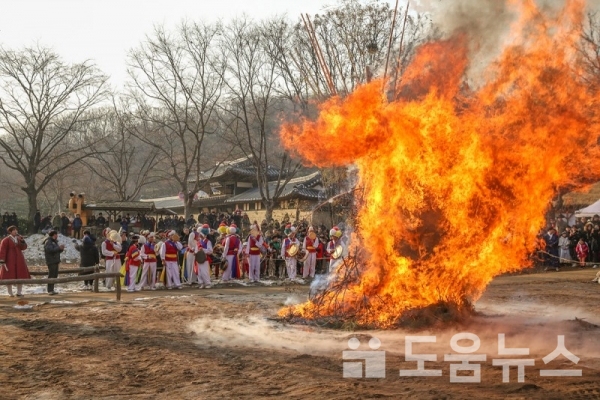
33, 206
187, 205
269, 205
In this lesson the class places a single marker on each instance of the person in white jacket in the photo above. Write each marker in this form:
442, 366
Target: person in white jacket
190, 257
168, 254
204, 268
252, 249
110, 250
290, 261
310, 246
232, 251
148, 256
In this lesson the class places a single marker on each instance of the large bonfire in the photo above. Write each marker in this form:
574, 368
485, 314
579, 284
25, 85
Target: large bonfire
456, 174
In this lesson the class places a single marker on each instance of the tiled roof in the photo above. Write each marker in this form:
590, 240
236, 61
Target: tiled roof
211, 201
300, 187
121, 206
242, 167
165, 202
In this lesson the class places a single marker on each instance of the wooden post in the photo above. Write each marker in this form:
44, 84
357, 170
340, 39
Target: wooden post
97, 270
399, 61
119, 287
315, 43
387, 57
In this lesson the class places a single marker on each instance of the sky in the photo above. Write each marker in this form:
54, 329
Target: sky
105, 30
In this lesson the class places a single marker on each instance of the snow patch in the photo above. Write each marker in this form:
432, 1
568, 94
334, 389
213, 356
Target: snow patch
35, 249
23, 307
61, 302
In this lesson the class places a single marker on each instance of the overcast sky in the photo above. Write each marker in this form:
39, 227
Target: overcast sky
104, 30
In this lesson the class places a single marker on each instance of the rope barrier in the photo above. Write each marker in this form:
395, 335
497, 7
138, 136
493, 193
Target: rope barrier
567, 260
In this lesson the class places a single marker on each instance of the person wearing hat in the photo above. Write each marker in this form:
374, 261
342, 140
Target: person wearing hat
190, 275
12, 260
232, 251
290, 260
204, 268
335, 234
52, 252
310, 245
148, 256
551, 240
110, 250
223, 230
168, 255
252, 250
133, 261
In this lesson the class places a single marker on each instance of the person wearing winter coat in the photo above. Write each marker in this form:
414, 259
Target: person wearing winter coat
89, 255
582, 251
77, 224
563, 245
52, 252
12, 261
56, 221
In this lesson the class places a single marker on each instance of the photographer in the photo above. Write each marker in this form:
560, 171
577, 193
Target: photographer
52, 252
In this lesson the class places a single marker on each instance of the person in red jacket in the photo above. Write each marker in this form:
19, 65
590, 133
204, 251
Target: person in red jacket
582, 251
134, 260
12, 261
321, 255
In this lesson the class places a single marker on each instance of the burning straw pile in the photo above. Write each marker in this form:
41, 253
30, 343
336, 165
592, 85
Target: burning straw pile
335, 306
456, 172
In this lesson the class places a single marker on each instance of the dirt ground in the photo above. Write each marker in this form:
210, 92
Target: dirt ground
223, 343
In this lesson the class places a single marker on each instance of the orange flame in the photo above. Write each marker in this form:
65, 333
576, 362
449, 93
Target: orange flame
456, 180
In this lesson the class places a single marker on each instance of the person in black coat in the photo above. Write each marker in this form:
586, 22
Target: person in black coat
100, 221
52, 252
551, 240
89, 255
125, 244
14, 220
37, 221
64, 224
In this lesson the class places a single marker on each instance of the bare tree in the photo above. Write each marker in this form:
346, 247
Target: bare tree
44, 103
353, 36
124, 163
589, 49
176, 82
252, 109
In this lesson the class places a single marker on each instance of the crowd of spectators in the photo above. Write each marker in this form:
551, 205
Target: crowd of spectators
8, 220
272, 231
576, 244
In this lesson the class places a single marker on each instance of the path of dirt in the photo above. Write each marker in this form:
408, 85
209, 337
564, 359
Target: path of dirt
221, 343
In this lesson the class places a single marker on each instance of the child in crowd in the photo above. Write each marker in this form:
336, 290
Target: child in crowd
582, 250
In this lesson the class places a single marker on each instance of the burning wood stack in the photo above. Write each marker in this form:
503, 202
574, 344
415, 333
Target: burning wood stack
456, 172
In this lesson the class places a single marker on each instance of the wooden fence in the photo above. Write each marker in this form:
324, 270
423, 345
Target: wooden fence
96, 276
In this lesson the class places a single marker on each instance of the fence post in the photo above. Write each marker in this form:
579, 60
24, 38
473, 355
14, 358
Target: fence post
118, 288
96, 270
